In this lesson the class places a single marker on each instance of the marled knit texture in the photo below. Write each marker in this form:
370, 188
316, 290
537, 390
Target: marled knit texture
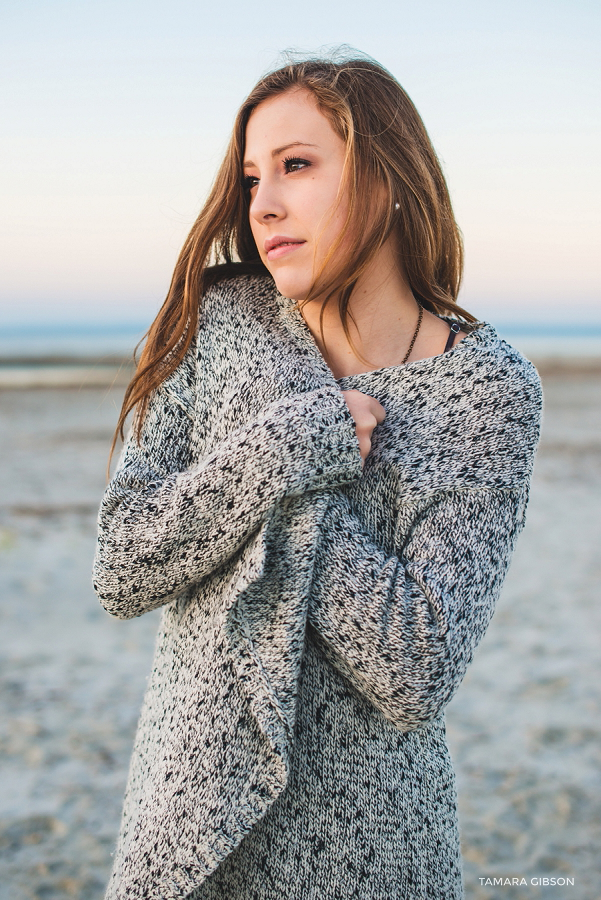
273, 760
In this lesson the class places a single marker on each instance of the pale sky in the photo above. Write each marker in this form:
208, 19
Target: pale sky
114, 116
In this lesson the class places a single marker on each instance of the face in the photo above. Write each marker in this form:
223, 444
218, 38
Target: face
293, 167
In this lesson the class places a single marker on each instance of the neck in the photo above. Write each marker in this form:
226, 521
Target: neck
383, 319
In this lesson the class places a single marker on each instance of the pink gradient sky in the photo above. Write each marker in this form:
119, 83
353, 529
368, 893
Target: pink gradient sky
114, 116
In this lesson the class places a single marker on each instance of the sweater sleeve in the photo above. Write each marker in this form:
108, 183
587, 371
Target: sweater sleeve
166, 522
403, 629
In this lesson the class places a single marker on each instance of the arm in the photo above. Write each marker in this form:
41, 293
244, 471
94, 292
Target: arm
404, 629
166, 522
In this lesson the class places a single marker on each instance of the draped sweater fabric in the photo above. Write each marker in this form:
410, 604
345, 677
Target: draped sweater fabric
318, 616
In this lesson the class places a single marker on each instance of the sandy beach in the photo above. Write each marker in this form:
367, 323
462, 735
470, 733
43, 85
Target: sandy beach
524, 728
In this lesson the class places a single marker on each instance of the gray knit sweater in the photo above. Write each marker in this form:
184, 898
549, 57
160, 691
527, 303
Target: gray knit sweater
317, 617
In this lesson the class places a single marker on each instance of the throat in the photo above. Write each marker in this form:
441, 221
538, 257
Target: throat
400, 343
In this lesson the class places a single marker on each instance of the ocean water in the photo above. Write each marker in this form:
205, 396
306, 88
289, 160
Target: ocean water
111, 342
553, 341
74, 341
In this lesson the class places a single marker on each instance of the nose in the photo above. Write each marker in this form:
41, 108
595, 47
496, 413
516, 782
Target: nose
266, 202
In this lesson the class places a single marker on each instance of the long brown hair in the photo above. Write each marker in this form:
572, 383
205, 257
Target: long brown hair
387, 145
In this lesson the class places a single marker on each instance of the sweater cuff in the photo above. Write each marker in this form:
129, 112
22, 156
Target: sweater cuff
327, 440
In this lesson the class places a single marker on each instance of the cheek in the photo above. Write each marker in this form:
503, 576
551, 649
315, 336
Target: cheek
331, 227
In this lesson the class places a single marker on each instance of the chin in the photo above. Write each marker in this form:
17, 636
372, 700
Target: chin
290, 285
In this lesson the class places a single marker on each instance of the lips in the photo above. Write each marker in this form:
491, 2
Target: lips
280, 245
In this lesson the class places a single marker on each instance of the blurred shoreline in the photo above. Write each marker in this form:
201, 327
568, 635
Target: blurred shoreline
79, 356
60, 371
63, 373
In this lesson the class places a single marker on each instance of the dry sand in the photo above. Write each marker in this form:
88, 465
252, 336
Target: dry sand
524, 728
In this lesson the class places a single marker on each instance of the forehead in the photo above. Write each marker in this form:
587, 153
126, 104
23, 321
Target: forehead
292, 117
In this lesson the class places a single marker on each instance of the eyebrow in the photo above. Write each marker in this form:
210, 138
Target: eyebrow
249, 163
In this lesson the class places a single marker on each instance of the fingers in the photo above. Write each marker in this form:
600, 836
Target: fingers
364, 409
378, 411
366, 413
364, 433
364, 446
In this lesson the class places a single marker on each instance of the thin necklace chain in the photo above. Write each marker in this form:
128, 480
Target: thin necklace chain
415, 333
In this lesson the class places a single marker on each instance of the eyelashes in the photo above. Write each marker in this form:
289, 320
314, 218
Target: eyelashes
249, 182
291, 164
295, 164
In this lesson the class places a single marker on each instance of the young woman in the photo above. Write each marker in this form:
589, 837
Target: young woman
327, 472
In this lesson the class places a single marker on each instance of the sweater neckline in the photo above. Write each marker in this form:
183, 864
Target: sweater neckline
295, 323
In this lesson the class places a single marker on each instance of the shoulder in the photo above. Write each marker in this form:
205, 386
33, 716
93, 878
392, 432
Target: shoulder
234, 315
241, 333
479, 377
235, 299
495, 372
470, 417
501, 406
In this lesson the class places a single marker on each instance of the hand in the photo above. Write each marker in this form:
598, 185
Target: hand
367, 413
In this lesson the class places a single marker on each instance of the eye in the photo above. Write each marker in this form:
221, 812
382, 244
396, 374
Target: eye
249, 182
295, 164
